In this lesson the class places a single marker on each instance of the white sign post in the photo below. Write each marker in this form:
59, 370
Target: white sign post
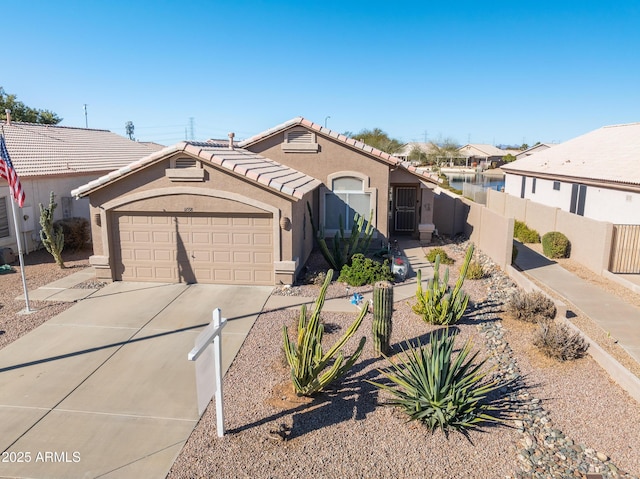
208, 349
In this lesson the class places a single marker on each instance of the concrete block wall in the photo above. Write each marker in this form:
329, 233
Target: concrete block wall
491, 232
590, 239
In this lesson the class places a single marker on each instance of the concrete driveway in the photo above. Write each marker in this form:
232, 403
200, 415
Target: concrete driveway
105, 388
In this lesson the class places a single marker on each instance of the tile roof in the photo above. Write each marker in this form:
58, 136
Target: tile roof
355, 144
242, 162
480, 149
44, 150
609, 154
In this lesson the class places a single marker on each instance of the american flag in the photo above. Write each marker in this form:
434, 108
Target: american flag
8, 172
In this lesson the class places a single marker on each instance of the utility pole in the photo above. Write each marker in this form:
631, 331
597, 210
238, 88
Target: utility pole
86, 121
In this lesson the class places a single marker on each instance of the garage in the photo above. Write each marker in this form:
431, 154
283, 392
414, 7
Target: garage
194, 248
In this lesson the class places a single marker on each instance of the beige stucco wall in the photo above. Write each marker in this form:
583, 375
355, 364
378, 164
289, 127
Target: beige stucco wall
590, 239
331, 158
149, 189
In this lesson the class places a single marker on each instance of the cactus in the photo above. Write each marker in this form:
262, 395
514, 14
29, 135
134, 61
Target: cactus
307, 361
52, 238
382, 313
344, 248
440, 304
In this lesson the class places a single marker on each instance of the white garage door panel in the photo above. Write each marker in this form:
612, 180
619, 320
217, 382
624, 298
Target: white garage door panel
187, 248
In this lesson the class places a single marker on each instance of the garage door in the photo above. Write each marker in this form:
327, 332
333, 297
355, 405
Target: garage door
191, 248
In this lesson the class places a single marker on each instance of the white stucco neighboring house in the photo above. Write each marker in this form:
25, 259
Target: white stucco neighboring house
596, 175
57, 158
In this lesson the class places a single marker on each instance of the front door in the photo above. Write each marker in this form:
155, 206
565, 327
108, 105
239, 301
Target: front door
405, 209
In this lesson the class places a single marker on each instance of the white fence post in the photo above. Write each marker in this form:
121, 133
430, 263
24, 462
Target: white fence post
208, 348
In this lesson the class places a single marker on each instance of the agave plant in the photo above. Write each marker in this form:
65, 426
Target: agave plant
440, 390
439, 303
311, 369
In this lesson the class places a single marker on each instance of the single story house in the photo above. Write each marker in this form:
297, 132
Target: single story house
481, 154
56, 158
236, 212
596, 175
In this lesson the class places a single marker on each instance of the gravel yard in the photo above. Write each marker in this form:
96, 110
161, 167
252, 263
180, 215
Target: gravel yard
567, 419
40, 269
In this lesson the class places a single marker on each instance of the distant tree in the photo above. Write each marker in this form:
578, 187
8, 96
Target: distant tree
524, 146
21, 112
128, 126
508, 158
377, 139
444, 151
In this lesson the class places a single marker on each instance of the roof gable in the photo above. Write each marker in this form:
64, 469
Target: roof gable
242, 162
47, 150
481, 149
348, 142
610, 153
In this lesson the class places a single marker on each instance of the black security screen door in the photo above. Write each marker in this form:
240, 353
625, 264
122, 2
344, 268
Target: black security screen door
405, 208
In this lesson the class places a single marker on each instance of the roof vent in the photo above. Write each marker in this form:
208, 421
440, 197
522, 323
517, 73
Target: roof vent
8, 112
231, 135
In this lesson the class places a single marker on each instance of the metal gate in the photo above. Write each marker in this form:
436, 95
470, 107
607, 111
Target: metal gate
405, 206
625, 249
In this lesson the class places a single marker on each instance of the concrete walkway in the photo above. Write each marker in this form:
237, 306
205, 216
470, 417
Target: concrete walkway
105, 388
613, 315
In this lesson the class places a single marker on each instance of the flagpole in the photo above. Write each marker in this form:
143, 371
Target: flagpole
24, 280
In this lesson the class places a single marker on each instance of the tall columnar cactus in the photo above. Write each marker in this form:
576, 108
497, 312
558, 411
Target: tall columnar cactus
306, 359
440, 304
344, 248
382, 313
52, 238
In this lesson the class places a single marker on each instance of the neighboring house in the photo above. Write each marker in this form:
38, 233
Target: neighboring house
534, 149
236, 212
425, 149
481, 154
596, 175
56, 158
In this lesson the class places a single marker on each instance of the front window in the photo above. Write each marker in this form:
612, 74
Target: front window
4, 219
348, 196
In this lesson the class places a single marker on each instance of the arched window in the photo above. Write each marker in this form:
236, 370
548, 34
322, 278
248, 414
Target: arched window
349, 195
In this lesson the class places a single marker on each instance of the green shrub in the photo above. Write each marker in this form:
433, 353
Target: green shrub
444, 257
531, 307
558, 342
439, 303
555, 245
440, 390
77, 233
525, 234
475, 271
311, 369
365, 271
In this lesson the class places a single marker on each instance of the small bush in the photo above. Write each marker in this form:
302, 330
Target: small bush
525, 234
531, 307
444, 257
475, 271
365, 271
558, 342
555, 245
77, 233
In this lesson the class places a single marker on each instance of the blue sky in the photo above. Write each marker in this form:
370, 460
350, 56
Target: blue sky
500, 72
